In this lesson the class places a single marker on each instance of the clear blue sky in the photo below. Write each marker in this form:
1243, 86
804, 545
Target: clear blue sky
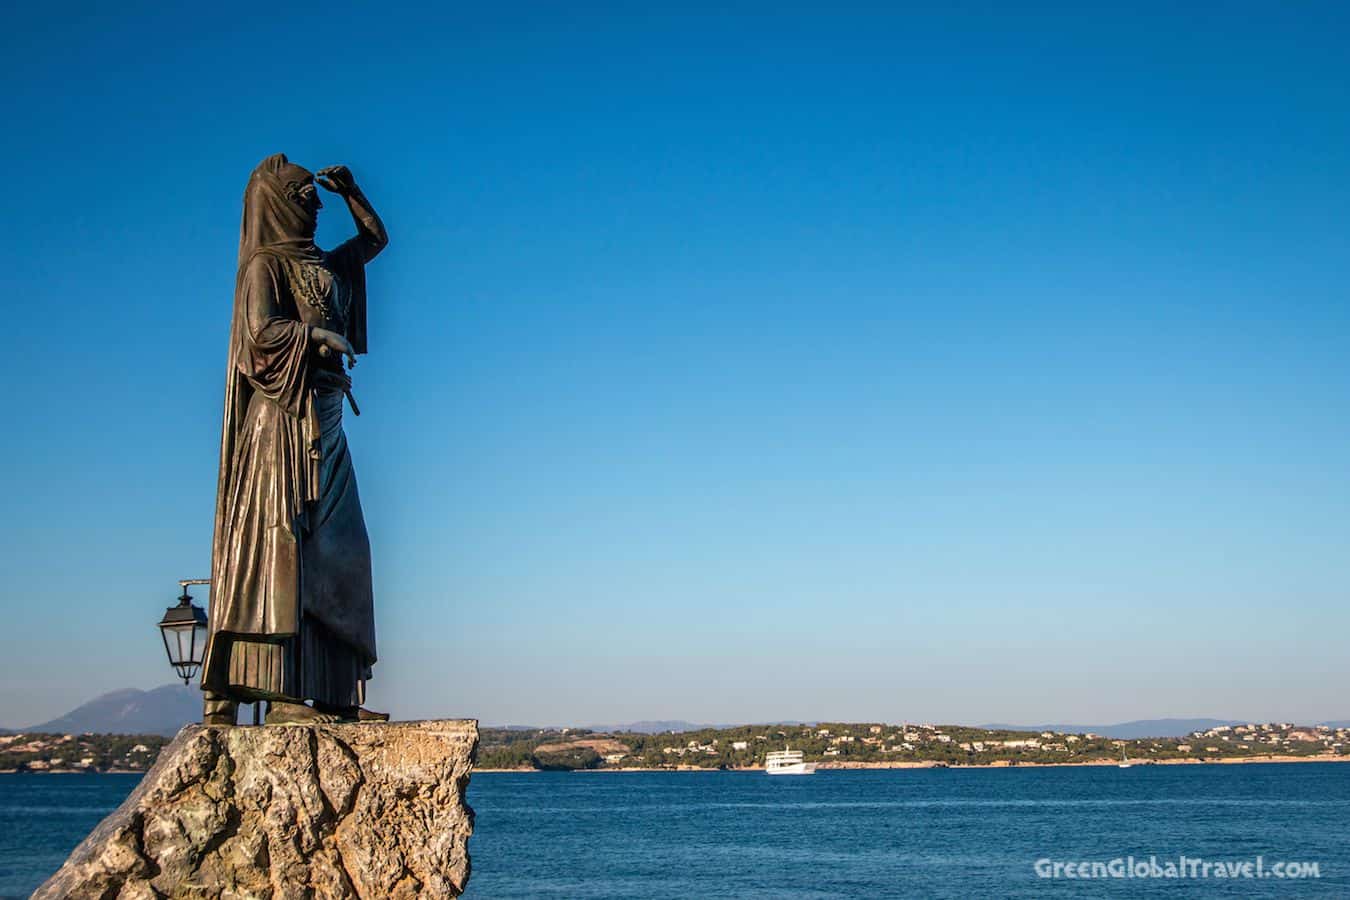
984, 364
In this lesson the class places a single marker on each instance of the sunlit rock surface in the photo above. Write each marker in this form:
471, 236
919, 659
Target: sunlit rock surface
342, 811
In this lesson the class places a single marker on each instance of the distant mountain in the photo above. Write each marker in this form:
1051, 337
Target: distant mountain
1141, 728
163, 710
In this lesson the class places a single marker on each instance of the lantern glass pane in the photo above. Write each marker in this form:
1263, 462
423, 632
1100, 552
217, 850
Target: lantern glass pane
184, 643
198, 644
170, 642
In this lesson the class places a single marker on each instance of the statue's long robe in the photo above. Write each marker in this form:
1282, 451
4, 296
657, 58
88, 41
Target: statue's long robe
291, 612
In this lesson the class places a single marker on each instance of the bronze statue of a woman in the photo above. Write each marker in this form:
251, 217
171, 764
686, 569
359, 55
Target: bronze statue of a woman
292, 613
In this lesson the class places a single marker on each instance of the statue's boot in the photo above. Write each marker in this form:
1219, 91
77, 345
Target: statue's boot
218, 709
281, 712
355, 713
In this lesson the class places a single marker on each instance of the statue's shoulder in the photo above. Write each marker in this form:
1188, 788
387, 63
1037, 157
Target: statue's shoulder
267, 256
265, 261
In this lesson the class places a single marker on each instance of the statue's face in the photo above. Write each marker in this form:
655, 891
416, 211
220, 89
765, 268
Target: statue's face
306, 196
310, 202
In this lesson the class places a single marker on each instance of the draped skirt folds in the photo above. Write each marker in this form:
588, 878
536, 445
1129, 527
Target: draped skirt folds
296, 617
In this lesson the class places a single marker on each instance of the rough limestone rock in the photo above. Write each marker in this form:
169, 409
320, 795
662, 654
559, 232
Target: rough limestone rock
369, 810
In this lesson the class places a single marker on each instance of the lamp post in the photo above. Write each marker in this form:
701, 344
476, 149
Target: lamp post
183, 629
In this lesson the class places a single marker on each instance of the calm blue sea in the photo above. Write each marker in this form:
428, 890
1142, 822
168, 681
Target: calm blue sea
901, 833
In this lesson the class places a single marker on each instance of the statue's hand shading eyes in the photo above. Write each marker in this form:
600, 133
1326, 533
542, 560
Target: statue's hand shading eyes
337, 179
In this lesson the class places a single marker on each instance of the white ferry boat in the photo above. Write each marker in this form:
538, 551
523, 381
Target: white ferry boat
787, 762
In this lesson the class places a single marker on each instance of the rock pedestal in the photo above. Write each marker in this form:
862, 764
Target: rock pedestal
288, 811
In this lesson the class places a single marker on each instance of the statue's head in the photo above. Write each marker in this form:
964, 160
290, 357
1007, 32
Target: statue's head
281, 208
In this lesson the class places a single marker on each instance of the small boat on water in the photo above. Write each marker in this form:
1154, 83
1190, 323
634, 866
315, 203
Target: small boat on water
1124, 762
787, 762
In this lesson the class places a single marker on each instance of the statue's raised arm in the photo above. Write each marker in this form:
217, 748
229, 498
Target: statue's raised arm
369, 228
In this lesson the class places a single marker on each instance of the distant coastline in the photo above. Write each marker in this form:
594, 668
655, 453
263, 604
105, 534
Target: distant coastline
831, 746
27, 772
33, 753
872, 745
998, 764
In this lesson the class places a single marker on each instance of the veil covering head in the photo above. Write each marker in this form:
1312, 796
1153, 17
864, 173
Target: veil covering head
274, 225
273, 218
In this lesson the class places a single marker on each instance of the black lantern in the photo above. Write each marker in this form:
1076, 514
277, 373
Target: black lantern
184, 631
